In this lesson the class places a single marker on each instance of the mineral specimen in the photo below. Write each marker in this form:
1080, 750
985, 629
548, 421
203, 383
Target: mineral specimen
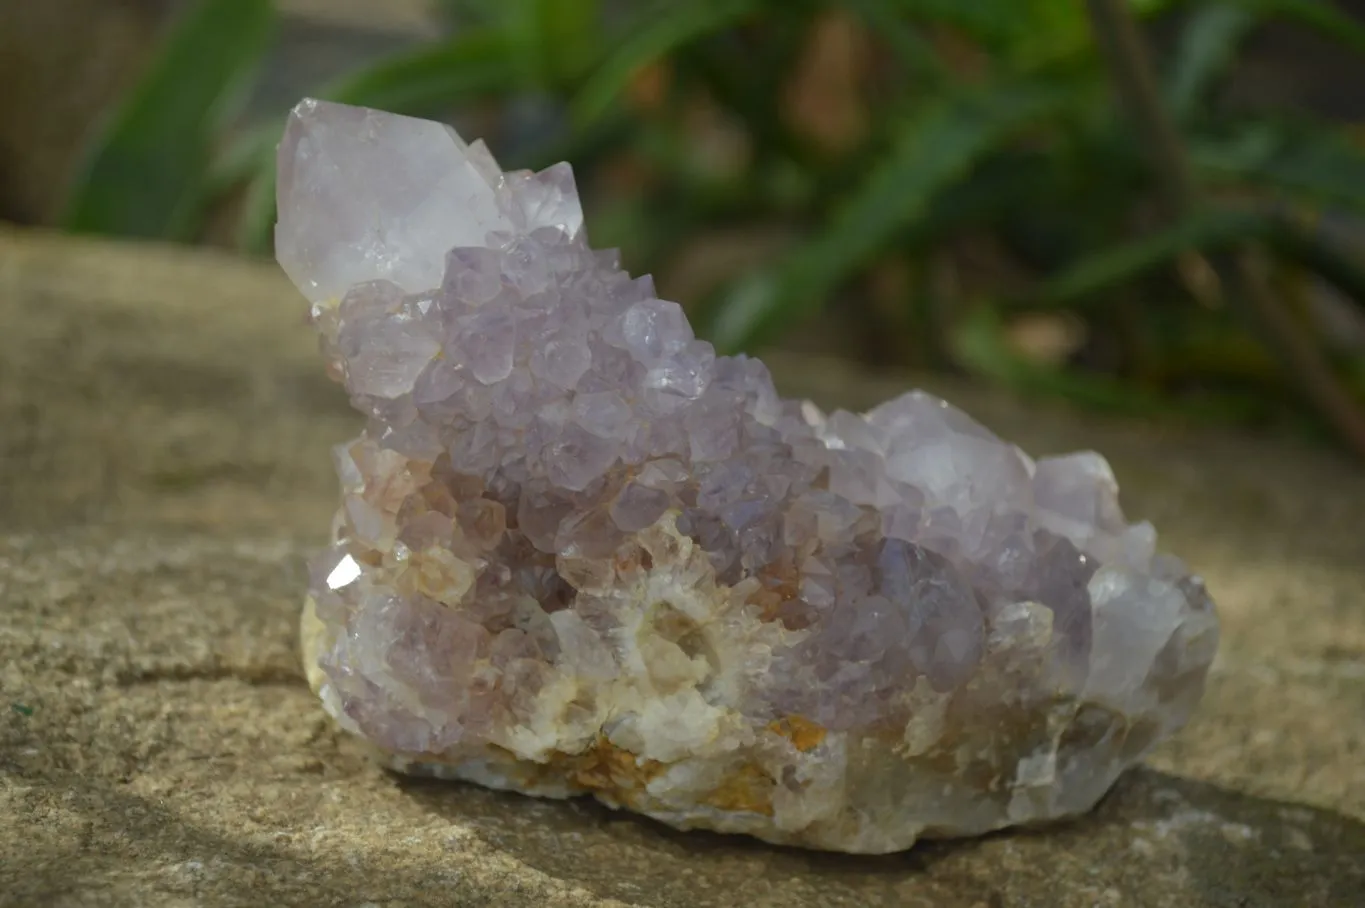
580, 553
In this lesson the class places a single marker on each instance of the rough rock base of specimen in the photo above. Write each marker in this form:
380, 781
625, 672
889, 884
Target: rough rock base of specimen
579, 553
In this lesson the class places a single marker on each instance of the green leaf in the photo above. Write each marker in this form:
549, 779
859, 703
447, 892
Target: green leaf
1309, 162
1207, 46
145, 174
553, 41
239, 160
653, 36
1120, 264
750, 302
995, 23
463, 14
431, 80
426, 82
1319, 15
907, 43
256, 229
1020, 32
931, 153
564, 36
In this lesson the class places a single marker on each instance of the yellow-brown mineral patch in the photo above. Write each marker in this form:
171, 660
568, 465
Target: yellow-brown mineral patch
606, 767
804, 734
748, 789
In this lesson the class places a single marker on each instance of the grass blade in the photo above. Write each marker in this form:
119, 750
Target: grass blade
932, 153
1206, 47
1023, 32
431, 80
654, 36
1308, 162
909, 45
1123, 263
146, 173
980, 346
1319, 15
564, 36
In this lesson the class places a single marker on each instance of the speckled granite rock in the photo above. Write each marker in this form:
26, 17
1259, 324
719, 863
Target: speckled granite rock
169, 752
579, 553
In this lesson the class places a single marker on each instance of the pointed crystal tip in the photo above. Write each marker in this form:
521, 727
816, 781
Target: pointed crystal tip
366, 195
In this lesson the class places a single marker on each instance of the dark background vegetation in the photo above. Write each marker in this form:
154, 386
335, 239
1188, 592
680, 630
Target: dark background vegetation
1150, 207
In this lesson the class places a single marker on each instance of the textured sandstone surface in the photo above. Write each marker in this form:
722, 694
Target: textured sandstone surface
162, 415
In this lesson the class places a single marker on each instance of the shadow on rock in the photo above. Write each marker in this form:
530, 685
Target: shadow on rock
1156, 840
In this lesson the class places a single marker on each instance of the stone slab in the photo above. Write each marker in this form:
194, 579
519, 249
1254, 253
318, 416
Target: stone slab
163, 435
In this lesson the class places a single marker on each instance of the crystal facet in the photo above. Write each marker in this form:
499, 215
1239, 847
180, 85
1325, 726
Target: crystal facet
579, 553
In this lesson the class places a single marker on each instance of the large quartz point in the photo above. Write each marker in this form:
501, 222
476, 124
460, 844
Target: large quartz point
579, 553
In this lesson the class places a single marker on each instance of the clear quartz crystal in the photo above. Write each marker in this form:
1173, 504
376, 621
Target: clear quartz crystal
579, 553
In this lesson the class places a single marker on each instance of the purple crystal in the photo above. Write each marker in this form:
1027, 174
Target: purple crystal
578, 552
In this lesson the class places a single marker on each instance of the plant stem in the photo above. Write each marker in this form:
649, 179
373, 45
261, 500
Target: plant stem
1126, 54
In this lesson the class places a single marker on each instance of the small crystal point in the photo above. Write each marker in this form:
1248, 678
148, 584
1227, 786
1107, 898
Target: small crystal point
580, 553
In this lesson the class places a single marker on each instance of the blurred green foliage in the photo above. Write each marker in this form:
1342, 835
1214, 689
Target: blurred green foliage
147, 175
954, 179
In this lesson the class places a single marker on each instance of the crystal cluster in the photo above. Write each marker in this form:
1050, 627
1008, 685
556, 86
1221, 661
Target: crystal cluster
580, 553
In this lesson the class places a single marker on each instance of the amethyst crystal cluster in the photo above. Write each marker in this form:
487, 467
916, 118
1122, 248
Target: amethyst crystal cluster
579, 553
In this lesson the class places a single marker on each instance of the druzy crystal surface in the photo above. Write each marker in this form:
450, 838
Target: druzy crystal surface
579, 553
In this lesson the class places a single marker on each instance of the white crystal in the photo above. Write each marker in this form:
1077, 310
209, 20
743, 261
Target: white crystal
366, 195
